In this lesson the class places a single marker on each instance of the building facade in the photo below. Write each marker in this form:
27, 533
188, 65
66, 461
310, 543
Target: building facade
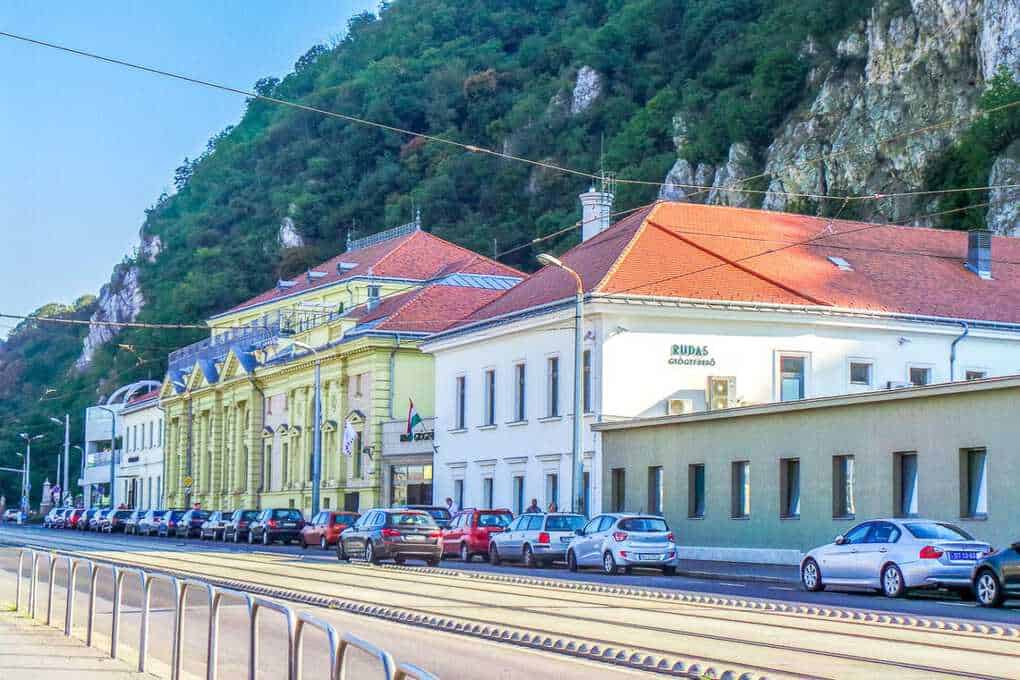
691, 308
240, 405
140, 467
765, 483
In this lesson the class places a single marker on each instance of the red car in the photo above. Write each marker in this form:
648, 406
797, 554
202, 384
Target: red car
72, 520
324, 529
469, 532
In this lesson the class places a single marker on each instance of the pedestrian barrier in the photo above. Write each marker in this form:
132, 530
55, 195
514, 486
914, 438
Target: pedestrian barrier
296, 622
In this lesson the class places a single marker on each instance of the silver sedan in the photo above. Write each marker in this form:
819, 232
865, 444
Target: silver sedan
895, 555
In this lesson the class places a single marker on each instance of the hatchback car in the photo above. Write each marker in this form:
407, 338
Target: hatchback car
620, 541
96, 518
894, 556
114, 520
997, 577
392, 533
49, 521
535, 539
325, 528
190, 524
130, 525
276, 524
168, 523
72, 519
236, 529
215, 525
471, 531
148, 524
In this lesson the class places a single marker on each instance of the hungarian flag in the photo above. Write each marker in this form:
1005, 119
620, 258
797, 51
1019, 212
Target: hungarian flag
413, 419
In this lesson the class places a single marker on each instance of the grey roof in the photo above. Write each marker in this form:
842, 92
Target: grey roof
487, 281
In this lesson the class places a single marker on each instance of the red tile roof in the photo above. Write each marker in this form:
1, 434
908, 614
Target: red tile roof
418, 256
714, 253
138, 398
429, 309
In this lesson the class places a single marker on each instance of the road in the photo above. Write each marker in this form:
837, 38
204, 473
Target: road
673, 625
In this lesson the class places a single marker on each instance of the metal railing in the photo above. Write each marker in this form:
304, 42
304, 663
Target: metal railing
297, 622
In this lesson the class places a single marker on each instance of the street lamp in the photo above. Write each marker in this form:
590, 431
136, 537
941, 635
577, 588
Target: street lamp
316, 428
576, 464
65, 486
113, 455
26, 485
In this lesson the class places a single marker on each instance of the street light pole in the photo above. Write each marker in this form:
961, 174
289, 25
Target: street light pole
26, 481
65, 486
576, 463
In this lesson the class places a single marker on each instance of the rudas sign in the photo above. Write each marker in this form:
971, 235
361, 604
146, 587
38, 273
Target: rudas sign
690, 355
427, 435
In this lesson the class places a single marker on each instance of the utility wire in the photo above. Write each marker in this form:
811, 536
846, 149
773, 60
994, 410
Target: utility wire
86, 322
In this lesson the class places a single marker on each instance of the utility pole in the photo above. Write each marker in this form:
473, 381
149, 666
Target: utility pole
65, 487
26, 486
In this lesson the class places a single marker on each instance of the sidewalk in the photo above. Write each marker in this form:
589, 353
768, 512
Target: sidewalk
30, 650
740, 571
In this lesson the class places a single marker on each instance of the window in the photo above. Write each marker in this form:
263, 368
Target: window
519, 411
843, 487
325, 502
740, 491
858, 535
285, 463
552, 489
490, 397
356, 455
159, 439
973, 483
789, 486
487, 492
655, 490
905, 484
791, 377
458, 493
150, 434
267, 481
919, 375
976, 374
618, 489
586, 380
518, 494
860, 372
552, 387
373, 293
696, 490
461, 404
586, 497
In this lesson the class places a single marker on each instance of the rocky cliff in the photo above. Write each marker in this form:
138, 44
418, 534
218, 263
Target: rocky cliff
119, 300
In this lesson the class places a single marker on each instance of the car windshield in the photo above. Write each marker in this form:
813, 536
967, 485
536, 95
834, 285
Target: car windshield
292, 515
564, 522
937, 531
249, 514
156, 514
120, 514
411, 519
494, 519
177, 514
348, 518
644, 524
439, 514
199, 514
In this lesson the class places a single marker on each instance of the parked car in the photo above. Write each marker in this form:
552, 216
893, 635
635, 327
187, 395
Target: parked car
997, 577
96, 518
130, 524
50, 517
57, 521
148, 523
324, 529
236, 529
190, 523
398, 534
894, 556
535, 539
471, 531
440, 513
168, 522
11, 515
621, 541
276, 524
213, 526
72, 519
114, 520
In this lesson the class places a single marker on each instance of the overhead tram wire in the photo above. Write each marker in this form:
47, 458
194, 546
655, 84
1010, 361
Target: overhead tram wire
442, 140
86, 322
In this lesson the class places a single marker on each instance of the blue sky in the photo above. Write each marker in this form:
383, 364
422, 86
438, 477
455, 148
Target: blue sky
85, 147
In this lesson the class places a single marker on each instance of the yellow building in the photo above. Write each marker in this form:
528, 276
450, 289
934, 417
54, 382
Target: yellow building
239, 404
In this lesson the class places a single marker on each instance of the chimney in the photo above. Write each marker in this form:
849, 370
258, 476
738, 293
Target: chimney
979, 252
595, 209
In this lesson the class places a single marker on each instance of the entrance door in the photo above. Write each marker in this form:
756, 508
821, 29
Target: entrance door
352, 502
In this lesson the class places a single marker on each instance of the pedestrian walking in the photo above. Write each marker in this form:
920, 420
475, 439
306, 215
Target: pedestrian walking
533, 507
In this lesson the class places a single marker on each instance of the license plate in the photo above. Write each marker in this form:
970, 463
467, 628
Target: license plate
414, 537
650, 556
956, 556
564, 539
289, 524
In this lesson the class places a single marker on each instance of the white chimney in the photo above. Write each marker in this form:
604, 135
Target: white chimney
596, 207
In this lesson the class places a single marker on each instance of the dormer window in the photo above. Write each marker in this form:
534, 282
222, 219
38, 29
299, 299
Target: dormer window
342, 267
373, 293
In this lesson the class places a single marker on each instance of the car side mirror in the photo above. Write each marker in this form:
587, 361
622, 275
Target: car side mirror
579, 532
1016, 546
839, 540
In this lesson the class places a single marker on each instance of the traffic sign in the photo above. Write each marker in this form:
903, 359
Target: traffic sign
188, 482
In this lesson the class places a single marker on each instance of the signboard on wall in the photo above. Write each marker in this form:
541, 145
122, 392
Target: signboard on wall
690, 355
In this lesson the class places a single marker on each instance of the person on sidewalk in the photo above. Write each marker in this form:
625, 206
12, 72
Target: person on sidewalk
533, 507
552, 507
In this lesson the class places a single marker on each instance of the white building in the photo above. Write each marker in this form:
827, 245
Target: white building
689, 307
140, 470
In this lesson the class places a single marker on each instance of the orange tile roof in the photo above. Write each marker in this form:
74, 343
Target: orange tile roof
715, 253
418, 256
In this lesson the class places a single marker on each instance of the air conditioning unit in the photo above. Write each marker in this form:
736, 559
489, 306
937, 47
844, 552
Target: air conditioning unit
722, 392
897, 384
676, 407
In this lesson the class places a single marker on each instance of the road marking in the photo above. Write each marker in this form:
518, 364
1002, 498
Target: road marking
958, 604
733, 585
780, 588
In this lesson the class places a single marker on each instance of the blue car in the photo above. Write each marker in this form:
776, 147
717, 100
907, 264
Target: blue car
997, 577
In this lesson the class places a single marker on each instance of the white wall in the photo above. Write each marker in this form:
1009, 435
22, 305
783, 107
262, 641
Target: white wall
632, 376
149, 465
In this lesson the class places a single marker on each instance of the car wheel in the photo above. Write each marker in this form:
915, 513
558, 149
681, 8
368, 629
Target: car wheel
669, 571
432, 561
265, 538
609, 564
988, 590
465, 554
323, 544
251, 538
811, 576
341, 554
571, 561
494, 559
304, 546
892, 581
370, 554
529, 558
399, 561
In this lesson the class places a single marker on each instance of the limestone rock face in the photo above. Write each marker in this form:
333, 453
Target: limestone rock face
587, 89
1004, 204
685, 182
119, 300
1000, 37
150, 247
289, 236
738, 167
